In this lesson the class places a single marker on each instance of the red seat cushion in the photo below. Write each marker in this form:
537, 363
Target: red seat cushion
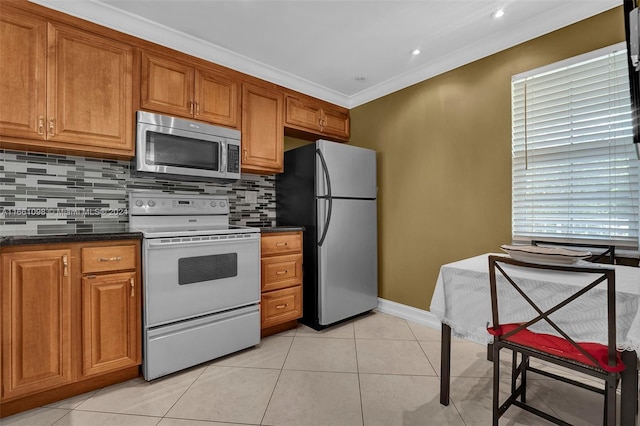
559, 346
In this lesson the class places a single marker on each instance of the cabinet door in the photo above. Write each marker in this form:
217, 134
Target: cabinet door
89, 90
36, 321
335, 122
167, 86
262, 130
217, 98
303, 114
23, 82
110, 322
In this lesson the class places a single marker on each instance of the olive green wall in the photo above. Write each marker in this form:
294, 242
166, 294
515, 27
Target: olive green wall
291, 143
444, 158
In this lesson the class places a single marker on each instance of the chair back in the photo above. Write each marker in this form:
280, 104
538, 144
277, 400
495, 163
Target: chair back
605, 253
506, 274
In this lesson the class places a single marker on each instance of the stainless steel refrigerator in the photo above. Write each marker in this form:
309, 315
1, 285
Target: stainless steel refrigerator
330, 189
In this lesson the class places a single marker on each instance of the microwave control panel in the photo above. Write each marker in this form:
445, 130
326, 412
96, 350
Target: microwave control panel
233, 159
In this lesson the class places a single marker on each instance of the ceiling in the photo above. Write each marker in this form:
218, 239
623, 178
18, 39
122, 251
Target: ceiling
345, 52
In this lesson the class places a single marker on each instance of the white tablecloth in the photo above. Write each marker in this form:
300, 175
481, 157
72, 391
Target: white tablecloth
462, 300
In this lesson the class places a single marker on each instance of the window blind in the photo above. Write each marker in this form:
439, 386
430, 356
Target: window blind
574, 167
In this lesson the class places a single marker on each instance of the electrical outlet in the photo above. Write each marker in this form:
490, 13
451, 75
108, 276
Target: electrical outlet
251, 197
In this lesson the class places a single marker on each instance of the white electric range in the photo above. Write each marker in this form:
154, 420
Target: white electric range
201, 280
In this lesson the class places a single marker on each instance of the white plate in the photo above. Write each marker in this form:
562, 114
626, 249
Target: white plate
545, 255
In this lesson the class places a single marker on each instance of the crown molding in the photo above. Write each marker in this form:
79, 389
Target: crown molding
117, 19
140, 27
552, 20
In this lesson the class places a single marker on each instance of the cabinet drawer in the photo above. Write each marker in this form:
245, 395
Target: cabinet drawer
280, 306
281, 243
110, 258
281, 271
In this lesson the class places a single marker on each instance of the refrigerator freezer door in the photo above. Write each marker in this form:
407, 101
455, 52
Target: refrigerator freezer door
352, 170
348, 260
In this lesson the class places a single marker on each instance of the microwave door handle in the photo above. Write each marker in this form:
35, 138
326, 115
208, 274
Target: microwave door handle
223, 157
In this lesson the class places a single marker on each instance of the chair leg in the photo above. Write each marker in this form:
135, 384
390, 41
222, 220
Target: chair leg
514, 371
610, 401
496, 383
523, 380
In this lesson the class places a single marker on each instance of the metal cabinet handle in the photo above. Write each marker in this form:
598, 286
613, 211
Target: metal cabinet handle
281, 272
41, 125
110, 259
133, 285
281, 244
197, 108
244, 151
65, 265
51, 122
281, 306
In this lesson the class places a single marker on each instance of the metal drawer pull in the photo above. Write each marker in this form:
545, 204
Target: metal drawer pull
281, 244
110, 259
65, 264
281, 306
132, 283
281, 272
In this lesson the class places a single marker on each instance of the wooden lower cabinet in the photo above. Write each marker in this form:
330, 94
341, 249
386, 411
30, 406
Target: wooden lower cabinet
280, 306
36, 322
281, 281
110, 323
66, 332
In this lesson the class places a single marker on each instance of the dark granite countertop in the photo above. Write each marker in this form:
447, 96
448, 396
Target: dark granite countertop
39, 238
281, 228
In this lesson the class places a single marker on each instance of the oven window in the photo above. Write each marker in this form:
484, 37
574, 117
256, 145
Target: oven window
207, 268
179, 151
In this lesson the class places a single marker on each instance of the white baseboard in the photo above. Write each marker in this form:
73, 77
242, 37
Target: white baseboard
409, 313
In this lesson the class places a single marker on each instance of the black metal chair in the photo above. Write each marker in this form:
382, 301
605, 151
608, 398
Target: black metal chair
596, 360
606, 253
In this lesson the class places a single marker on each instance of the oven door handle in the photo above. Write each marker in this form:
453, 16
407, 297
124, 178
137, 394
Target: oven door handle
156, 245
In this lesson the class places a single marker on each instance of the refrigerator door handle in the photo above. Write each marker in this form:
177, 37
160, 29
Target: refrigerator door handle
327, 197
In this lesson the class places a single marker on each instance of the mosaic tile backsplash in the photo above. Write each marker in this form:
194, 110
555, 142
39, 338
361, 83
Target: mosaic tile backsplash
54, 194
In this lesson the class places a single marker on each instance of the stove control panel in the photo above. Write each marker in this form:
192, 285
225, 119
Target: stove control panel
148, 203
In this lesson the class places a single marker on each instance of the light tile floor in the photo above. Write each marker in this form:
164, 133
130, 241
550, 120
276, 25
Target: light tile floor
375, 370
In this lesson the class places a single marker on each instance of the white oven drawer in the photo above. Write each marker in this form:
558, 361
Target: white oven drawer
184, 279
175, 347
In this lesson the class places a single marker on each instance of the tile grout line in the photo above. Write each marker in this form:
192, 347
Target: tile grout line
266, 408
185, 391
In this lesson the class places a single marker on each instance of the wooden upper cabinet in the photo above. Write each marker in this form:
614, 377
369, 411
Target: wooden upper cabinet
23, 41
63, 89
335, 122
217, 98
316, 118
262, 129
166, 85
180, 89
90, 89
36, 321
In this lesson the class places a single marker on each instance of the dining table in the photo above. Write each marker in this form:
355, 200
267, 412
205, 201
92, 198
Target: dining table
462, 303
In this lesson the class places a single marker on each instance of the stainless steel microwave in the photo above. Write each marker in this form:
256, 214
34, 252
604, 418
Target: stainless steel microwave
175, 146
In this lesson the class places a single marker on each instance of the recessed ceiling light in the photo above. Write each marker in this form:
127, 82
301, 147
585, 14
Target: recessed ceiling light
415, 52
360, 78
498, 14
